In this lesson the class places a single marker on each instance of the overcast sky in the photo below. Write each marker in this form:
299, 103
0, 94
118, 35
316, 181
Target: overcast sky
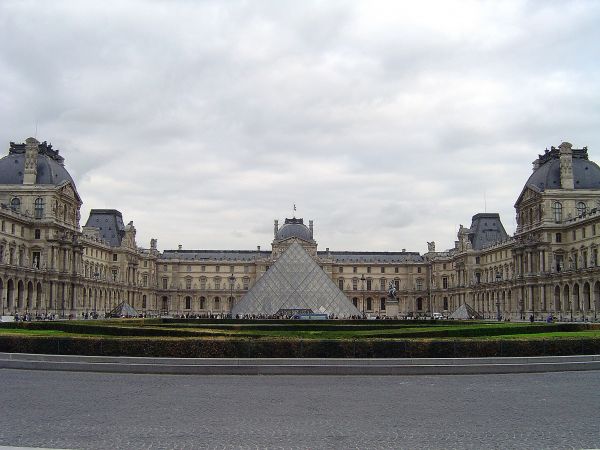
387, 123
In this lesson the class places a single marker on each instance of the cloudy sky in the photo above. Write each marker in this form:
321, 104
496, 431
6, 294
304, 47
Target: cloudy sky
387, 123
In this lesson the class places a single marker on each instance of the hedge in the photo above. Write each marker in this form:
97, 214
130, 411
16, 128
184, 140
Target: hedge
295, 348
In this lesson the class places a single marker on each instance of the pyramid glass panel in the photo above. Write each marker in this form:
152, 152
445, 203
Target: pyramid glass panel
295, 282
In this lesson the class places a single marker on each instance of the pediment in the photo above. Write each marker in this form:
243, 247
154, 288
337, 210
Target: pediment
528, 193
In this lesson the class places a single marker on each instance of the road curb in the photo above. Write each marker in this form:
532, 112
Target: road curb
301, 366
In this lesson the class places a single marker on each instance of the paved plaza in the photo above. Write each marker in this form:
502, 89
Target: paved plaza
89, 410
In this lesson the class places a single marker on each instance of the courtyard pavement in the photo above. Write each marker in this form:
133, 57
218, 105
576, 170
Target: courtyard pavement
102, 411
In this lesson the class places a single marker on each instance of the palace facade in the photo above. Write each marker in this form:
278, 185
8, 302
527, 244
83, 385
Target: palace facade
50, 264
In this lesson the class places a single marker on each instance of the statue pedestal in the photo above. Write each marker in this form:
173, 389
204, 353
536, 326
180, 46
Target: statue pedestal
392, 308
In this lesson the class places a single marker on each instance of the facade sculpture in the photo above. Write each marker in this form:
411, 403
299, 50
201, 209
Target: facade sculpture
51, 265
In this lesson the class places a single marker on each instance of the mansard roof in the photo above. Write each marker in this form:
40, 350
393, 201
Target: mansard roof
372, 257
110, 224
486, 229
214, 255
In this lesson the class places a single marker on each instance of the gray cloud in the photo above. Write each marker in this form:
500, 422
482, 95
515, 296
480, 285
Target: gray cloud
387, 123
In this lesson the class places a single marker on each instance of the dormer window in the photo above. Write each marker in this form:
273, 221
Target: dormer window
581, 209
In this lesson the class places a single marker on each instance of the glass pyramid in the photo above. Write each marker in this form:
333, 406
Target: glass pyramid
295, 282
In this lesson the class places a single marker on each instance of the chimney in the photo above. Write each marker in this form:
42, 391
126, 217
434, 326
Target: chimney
566, 166
310, 227
179, 247
275, 228
258, 248
31, 153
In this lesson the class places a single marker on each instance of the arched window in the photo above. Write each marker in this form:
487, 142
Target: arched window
217, 303
39, 208
369, 304
557, 211
355, 302
202, 303
15, 204
581, 209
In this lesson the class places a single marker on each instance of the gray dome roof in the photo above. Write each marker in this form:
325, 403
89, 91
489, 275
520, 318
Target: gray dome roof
586, 174
49, 166
294, 228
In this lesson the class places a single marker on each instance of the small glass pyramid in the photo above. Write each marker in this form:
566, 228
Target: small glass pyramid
295, 282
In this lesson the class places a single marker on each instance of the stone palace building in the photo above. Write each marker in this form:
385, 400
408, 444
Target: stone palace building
50, 264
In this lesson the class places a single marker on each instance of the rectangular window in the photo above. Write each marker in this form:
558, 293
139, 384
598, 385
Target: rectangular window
144, 302
369, 269
3, 226
354, 270
246, 282
114, 274
558, 238
12, 228
188, 283
354, 284
396, 269
341, 284
419, 285
595, 257
382, 286
444, 266
585, 259
245, 269
217, 283
477, 260
218, 269
594, 229
583, 232
444, 282
188, 303
202, 283
22, 231
202, 268
145, 280
368, 285
37, 234
340, 269
165, 281
189, 268
115, 257
145, 263
418, 270
574, 235
383, 270
397, 284
231, 269
382, 305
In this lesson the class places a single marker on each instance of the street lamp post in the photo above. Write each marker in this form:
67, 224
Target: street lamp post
362, 279
522, 307
231, 282
498, 315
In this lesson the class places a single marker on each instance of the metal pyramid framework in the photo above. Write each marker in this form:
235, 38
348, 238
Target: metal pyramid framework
295, 282
465, 312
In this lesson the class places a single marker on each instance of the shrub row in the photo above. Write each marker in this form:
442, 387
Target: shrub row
134, 329
237, 348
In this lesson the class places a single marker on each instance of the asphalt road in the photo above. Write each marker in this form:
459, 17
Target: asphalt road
91, 410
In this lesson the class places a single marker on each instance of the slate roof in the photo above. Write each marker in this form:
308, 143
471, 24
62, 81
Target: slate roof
294, 228
215, 255
373, 257
340, 257
110, 224
586, 174
50, 168
486, 229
